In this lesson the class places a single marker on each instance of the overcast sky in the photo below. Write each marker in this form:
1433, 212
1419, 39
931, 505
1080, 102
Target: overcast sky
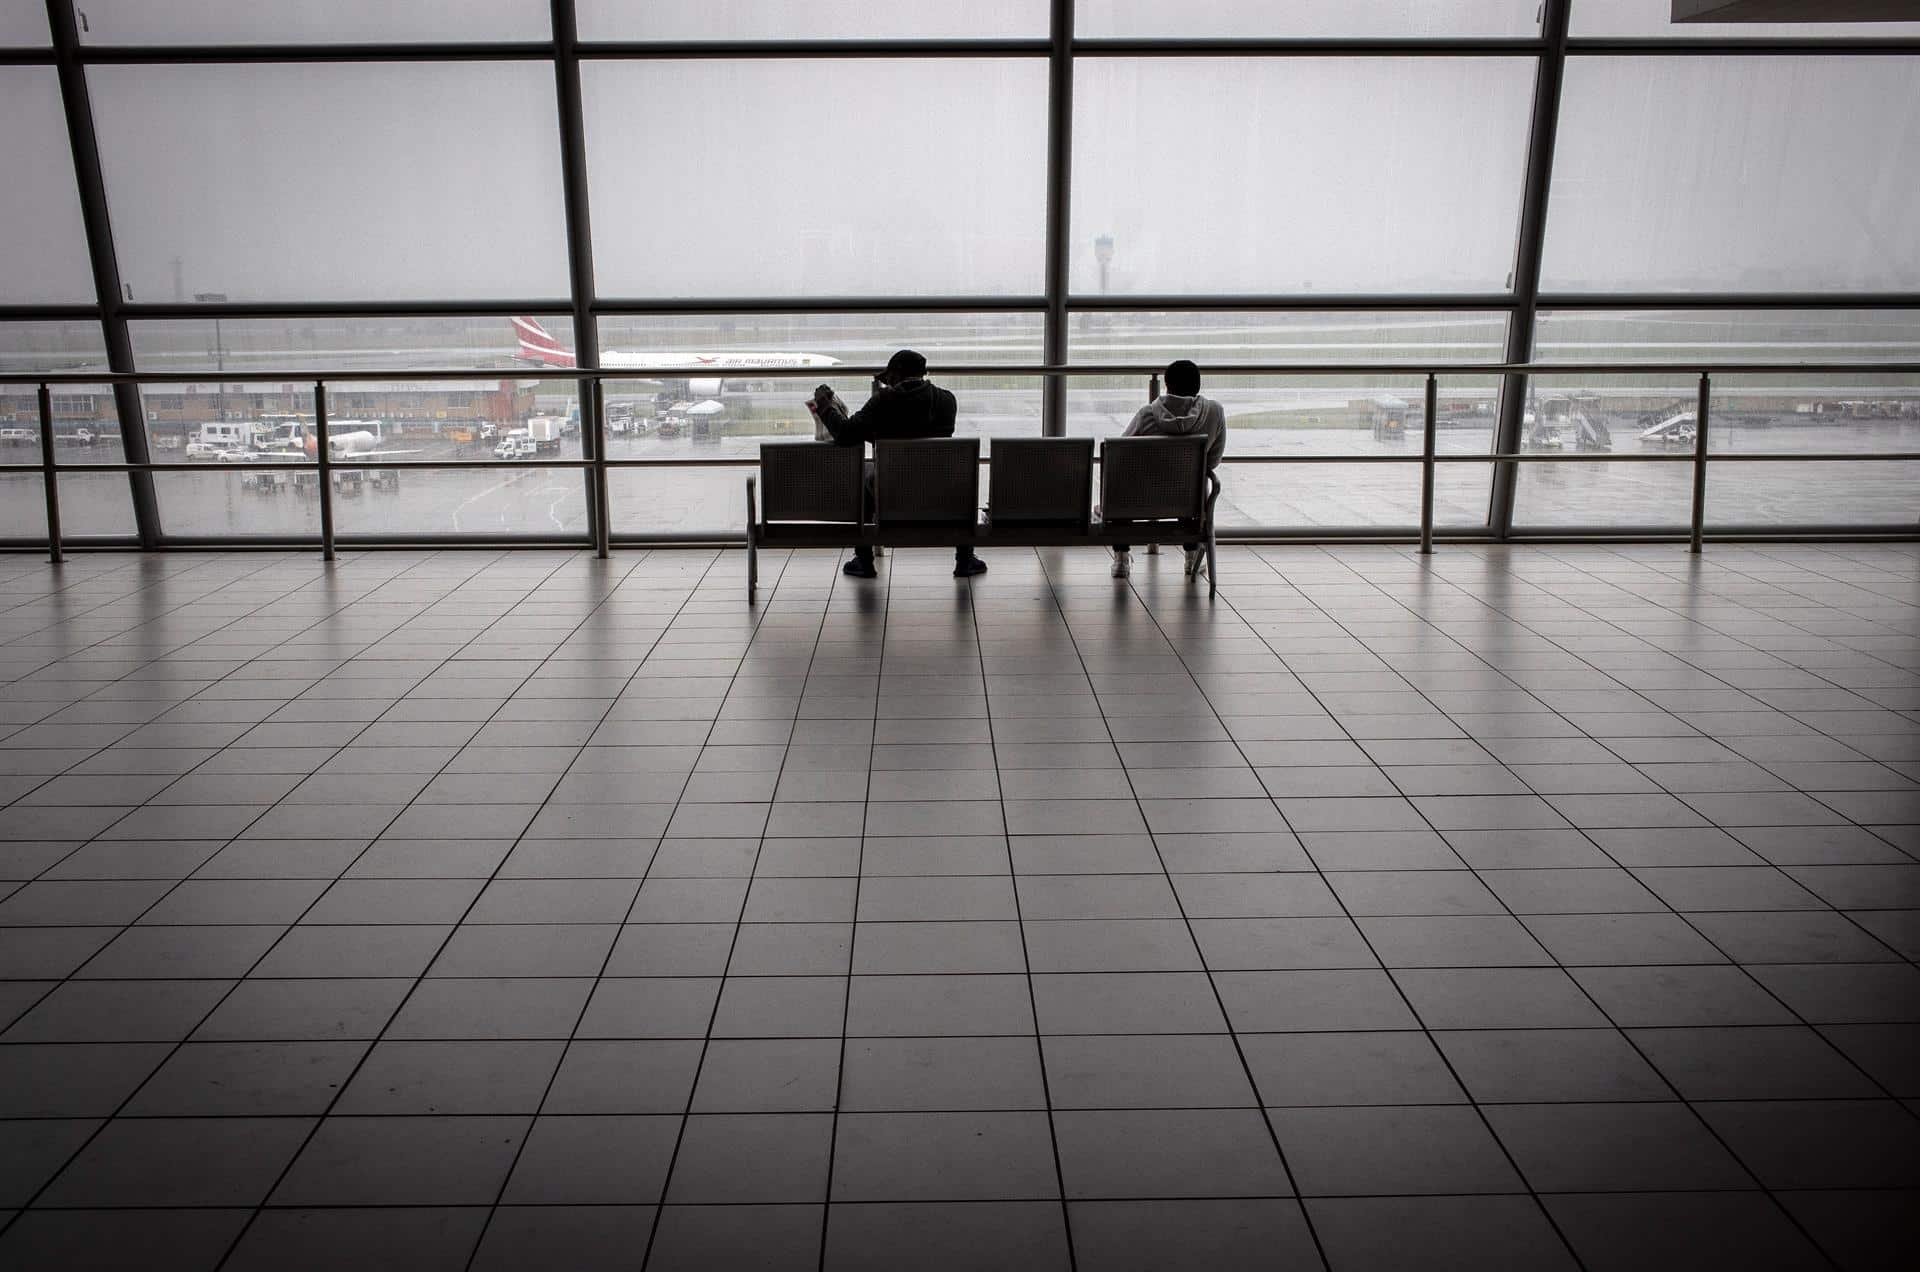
880, 177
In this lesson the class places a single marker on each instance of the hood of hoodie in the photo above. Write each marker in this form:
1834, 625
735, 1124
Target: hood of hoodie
1176, 415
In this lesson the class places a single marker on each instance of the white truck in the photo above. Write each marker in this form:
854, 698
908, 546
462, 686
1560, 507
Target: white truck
545, 431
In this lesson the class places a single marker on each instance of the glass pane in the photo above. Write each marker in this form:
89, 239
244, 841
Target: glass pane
1859, 414
1728, 335
227, 421
406, 422
1281, 496
86, 425
355, 344
226, 501
482, 503
303, 22
1655, 18
43, 254
23, 507
62, 345
333, 181
1208, 336
809, 19
1599, 494
96, 505
1736, 174
23, 24
695, 502
1641, 414
1327, 495
688, 407
1813, 494
1305, 18
1295, 175
1311, 415
711, 178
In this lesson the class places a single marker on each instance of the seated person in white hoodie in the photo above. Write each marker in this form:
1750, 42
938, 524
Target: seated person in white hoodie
1179, 412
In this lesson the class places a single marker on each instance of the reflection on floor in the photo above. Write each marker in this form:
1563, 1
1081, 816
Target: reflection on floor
1534, 908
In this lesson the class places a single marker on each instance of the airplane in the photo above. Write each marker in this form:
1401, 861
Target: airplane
353, 444
538, 345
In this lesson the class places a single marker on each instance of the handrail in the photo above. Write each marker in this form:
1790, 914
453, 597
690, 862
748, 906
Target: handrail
245, 375
597, 462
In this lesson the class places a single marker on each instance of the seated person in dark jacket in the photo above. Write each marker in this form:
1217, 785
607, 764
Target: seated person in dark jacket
904, 405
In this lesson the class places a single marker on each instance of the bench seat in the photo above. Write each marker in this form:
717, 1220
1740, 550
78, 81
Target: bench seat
813, 496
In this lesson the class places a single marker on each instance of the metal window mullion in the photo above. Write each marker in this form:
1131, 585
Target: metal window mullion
92, 187
586, 334
1053, 410
1542, 131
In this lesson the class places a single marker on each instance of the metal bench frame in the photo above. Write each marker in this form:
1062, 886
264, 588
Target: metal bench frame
809, 489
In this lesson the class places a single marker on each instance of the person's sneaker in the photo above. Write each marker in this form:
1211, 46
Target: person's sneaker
969, 567
860, 568
1122, 564
1196, 561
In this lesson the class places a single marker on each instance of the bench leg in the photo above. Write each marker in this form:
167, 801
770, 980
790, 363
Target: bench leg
753, 552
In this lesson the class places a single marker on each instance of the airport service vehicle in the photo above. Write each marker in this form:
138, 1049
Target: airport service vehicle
230, 434
1675, 430
1575, 415
515, 446
208, 450
78, 437
15, 436
488, 432
700, 371
544, 431
1388, 416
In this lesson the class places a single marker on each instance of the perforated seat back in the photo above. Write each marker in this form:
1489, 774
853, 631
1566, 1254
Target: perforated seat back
1040, 481
1153, 478
927, 482
810, 481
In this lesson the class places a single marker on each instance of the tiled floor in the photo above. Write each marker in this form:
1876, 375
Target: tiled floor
1540, 908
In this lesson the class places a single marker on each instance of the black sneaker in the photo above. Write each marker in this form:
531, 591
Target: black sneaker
969, 567
860, 568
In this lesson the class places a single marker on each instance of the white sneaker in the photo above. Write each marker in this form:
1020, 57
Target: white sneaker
1122, 564
1196, 562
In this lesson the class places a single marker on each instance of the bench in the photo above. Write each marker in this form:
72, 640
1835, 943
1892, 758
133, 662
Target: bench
926, 494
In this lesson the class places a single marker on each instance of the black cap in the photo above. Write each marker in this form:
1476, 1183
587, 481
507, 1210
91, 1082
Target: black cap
906, 365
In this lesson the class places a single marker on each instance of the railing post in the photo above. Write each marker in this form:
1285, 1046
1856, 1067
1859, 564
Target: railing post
1153, 387
597, 408
1426, 465
323, 456
49, 477
1700, 463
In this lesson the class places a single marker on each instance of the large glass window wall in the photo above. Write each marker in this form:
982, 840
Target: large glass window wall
697, 197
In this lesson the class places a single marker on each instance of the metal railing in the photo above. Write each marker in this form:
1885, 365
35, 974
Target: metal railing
597, 463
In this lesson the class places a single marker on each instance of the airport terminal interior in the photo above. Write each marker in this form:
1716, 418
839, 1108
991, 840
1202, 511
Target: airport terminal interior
425, 845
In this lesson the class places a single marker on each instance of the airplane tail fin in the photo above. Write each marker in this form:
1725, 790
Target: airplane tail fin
538, 345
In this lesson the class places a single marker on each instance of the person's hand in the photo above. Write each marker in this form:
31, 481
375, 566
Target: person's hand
879, 383
822, 394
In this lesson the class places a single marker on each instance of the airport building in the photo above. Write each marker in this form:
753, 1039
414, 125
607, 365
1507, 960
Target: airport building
471, 795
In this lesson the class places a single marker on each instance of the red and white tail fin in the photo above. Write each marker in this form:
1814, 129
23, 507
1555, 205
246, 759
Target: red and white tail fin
538, 345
